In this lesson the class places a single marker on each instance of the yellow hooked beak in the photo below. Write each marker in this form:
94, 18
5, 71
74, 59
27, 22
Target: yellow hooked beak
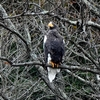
50, 24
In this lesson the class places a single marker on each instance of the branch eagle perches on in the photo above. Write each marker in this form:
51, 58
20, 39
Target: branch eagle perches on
69, 67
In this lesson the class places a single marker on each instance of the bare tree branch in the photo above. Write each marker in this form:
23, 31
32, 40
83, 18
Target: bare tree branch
90, 23
10, 26
3, 96
70, 67
92, 7
55, 90
94, 62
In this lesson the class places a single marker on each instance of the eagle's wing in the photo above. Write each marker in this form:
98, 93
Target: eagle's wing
57, 50
54, 46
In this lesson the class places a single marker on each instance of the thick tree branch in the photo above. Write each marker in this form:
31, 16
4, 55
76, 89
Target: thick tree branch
10, 26
70, 67
89, 23
5, 59
57, 91
92, 7
93, 24
3, 96
14, 32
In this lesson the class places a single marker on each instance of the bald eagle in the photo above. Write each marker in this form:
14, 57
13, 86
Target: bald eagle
53, 50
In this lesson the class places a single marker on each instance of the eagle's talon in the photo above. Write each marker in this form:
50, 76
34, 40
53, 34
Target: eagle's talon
57, 65
54, 64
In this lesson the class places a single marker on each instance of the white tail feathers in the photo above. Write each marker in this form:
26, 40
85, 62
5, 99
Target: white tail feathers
98, 77
52, 73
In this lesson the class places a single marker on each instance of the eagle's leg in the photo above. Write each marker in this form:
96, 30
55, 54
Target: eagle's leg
54, 64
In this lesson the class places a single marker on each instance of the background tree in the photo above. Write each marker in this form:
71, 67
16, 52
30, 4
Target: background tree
23, 24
